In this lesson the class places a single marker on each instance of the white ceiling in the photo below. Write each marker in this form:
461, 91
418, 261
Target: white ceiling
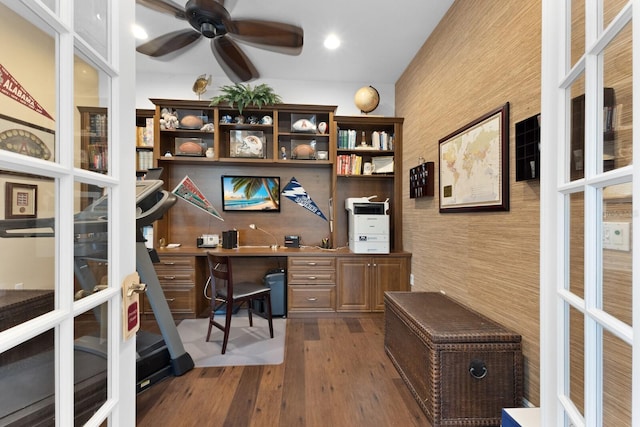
379, 39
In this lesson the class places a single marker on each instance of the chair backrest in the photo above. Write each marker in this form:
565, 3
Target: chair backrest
220, 271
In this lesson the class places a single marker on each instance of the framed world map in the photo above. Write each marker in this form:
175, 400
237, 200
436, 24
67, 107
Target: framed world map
474, 165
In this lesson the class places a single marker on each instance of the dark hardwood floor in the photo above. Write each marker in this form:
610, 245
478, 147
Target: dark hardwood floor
335, 373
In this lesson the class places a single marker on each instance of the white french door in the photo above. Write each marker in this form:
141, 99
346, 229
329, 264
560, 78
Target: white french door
68, 186
590, 292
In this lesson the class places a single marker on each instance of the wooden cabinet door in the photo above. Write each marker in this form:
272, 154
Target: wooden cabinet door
388, 274
353, 284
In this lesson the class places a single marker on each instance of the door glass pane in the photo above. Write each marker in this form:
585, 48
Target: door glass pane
576, 358
611, 8
618, 102
576, 154
28, 92
91, 242
91, 24
92, 127
616, 252
91, 357
576, 244
616, 377
577, 30
27, 245
27, 372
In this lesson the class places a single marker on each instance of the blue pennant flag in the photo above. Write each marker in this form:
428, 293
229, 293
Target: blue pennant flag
295, 192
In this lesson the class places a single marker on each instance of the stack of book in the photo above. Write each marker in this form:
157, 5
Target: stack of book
349, 164
347, 140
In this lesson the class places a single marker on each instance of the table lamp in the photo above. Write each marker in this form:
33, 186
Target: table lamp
255, 227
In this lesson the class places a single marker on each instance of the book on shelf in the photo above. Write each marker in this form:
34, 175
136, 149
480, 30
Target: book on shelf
145, 160
349, 164
380, 140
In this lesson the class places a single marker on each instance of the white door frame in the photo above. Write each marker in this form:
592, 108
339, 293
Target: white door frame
120, 406
555, 141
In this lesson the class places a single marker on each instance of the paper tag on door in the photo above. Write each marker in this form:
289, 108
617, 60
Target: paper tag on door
130, 306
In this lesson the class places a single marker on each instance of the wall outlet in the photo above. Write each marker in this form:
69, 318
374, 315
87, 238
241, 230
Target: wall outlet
411, 279
18, 286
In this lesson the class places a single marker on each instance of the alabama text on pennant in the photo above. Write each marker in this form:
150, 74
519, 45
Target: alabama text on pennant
14, 90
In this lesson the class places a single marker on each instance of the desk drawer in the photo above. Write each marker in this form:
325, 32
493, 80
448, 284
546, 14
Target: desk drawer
311, 298
307, 277
312, 262
175, 263
176, 278
181, 299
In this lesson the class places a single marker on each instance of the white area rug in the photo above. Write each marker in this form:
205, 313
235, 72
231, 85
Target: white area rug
246, 346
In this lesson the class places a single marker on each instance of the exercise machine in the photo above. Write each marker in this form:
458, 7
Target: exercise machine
158, 356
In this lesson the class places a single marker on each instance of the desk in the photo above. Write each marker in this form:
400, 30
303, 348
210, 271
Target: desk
319, 281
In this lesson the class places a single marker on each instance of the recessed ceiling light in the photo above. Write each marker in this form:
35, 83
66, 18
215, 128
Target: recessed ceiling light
139, 32
332, 42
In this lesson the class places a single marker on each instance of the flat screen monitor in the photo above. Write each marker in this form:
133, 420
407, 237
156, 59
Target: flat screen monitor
243, 193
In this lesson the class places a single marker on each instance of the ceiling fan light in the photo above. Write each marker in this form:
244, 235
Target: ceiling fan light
208, 30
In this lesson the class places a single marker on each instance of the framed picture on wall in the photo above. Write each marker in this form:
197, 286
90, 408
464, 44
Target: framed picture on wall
26, 138
474, 165
20, 200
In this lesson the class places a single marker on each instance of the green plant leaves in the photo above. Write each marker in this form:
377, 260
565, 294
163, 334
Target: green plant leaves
242, 95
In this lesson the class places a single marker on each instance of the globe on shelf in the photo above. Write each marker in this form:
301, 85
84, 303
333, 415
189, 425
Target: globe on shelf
367, 99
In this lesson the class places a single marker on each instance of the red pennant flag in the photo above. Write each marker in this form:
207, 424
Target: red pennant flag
189, 192
14, 90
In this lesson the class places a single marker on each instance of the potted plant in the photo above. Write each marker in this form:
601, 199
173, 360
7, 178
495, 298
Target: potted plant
242, 95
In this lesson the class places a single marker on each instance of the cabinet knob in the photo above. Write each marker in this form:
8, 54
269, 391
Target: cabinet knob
312, 299
170, 299
312, 263
169, 277
169, 263
312, 277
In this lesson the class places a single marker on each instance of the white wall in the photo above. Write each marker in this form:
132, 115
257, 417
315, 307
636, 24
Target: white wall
178, 86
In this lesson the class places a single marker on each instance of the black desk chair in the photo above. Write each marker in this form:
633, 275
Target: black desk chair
225, 292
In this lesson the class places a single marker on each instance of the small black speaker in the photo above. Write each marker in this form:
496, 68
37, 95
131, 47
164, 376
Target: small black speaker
230, 239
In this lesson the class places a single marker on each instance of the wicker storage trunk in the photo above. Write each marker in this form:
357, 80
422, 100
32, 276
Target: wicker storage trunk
461, 367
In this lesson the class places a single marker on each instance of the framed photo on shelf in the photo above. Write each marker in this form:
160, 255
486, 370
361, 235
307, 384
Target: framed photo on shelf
474, 165
20, 200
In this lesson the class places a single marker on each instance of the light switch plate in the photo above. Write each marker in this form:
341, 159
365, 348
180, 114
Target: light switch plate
615, 235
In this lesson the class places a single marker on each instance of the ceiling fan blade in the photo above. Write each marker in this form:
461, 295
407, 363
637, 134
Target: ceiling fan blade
168, 43
268, 33
233, 61
164, 6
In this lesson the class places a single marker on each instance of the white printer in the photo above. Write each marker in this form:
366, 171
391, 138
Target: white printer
368, 225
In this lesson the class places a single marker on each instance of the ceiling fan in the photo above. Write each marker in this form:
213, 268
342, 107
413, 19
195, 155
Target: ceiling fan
210, 19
